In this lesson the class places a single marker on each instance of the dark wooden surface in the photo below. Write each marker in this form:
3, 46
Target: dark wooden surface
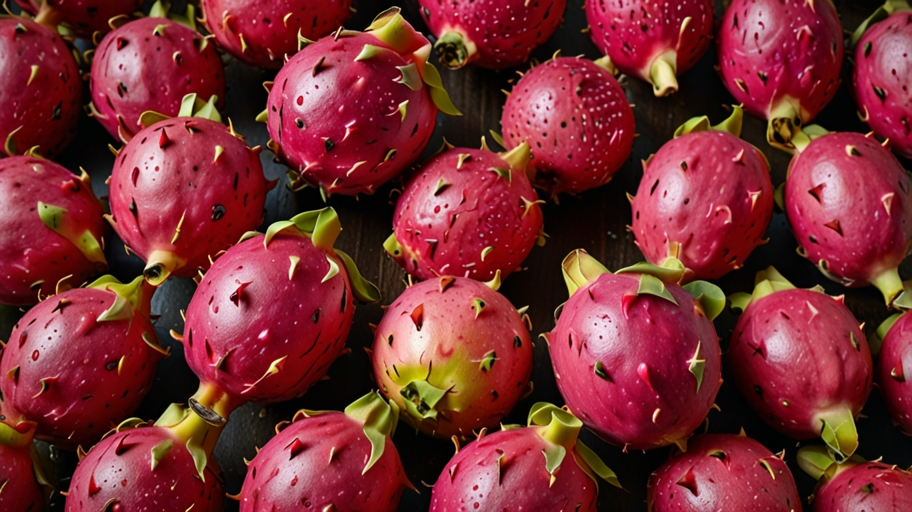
595, 220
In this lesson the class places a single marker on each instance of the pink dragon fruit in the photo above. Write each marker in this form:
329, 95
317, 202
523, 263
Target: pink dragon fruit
454, 354
81, 361
237, 338
893, 353
185, 188
505, 470
493, 34
19, 487
330, 461
52, 229
881, 74
856, 484
653, 41
849, 203
41, 92
81, 17
351, 111
151, 64
705, 198
723, 472
781, 60
265, 33
596, 123
636, 341
800, 360
466, 212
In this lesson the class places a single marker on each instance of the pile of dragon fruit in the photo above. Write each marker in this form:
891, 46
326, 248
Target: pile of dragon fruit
239, 274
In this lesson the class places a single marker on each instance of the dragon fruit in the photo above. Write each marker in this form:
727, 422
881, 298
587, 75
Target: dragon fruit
493, 34
881, 74
467, 212
52, 228
151, 64
352, 110
342, 461
264, 33
781, 60
723, 472
81, 17
800, 360
177, 199
81, 361
636, 342
893, 351
653, 41
856, 484
849, 203
705, 198
596, 123
19, 487
41, 92
454, 354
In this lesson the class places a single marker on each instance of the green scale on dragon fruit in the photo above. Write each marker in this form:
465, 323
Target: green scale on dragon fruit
891, 347
81, 17
353, 110
21, 477
635, 355
856, 484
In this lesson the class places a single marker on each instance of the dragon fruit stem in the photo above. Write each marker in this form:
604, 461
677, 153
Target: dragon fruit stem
663, 74
17, 436
379, 419
48, 16
838, 430
817, 462
211, 397
563, 428
455, 52
160, 266
889, 283
882, 13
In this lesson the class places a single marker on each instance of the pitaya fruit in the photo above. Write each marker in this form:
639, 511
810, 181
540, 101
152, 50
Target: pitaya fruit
893, 352
855, 485
329, 461
265, 33
151, 64
800, 360
466, 212
81, 17
19, 483
52, 229
81, 361
183, 189
653, 41
880, 78
849, 203
723, 472
636, 356
705, 198
41, 91
354, 109
454, 354
576, 118
493, 34
781, 60
505, 470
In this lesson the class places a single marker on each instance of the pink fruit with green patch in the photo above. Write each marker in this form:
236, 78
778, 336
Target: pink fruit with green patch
19, 488
856, 484
83, 17
893, 357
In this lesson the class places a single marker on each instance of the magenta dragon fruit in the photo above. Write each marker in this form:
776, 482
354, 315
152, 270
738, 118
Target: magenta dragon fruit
849, 203
81, 361
800, 360
893, 352
265, 33
82, 17
705, 198
493, 34
781, 60
653, 41
52, 229
855, 485
41, 92
330, 461
635, 341
596, 123
505, 470
184, 189
19, 481
351, 111
723, 472
466, 212
454, 354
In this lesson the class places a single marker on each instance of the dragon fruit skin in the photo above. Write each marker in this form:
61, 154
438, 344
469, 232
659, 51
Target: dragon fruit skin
596, 124
151, 64
263, 33
19, 490
618, 346
705, 198
349, 113
39, 196
723, 472
83, 17
653, 41
856, 484
41, 96
493, 34
849, 203
893, 360
466, 212
454, 354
